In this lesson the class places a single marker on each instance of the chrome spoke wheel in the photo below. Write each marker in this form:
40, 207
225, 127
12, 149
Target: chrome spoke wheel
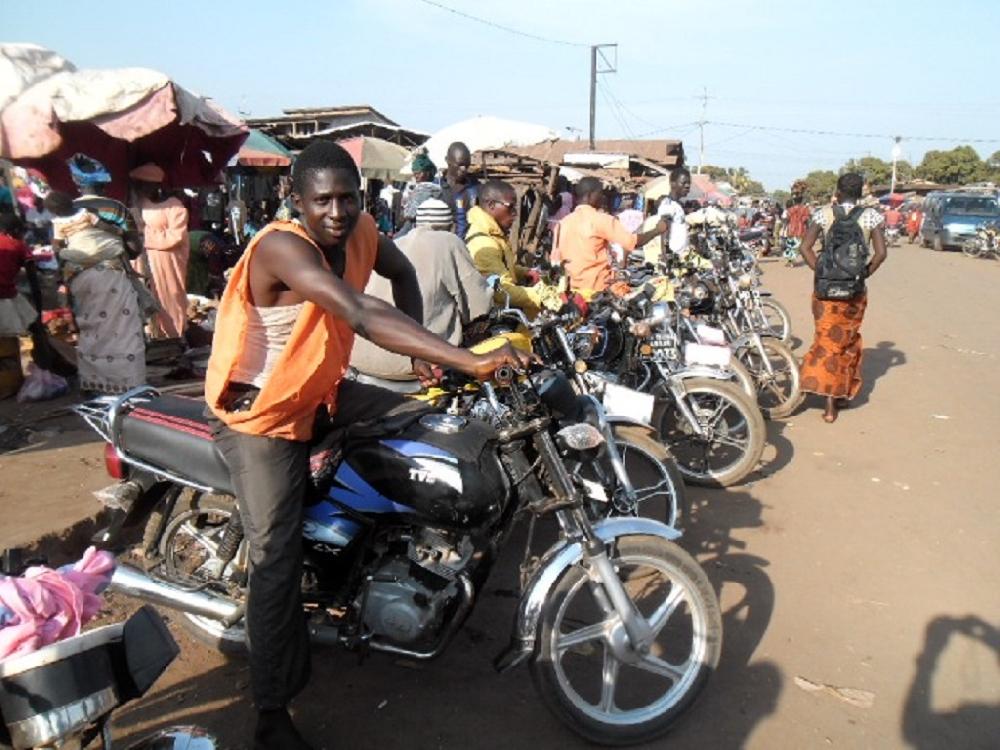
591, 674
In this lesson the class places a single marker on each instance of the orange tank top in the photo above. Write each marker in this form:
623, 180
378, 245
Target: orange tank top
315, 358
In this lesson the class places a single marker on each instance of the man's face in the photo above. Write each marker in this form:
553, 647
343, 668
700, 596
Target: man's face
458, 161
681, 187
329, 206
503, 210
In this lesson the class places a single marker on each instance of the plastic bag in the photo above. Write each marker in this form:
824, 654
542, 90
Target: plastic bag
41, 385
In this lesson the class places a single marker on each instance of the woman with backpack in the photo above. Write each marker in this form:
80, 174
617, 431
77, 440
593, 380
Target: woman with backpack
852, 249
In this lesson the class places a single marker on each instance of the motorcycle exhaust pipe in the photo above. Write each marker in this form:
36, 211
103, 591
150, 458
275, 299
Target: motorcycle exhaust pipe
133, 582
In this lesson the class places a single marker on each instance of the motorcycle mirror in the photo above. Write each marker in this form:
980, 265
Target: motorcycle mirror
493, 281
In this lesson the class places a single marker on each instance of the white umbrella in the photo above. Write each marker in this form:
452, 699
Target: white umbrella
486, 132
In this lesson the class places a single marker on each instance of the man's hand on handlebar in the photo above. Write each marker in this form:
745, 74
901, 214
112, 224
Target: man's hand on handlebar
484, 365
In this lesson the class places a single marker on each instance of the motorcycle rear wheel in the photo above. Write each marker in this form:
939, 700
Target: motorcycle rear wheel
188, 548
588, 675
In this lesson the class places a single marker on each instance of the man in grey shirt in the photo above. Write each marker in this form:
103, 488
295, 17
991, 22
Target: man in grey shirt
454, 293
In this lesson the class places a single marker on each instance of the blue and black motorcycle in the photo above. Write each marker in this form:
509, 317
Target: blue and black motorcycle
403, 527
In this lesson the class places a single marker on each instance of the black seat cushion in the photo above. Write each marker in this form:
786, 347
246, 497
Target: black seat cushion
172, 433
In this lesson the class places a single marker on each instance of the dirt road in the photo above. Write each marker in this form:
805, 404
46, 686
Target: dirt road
859, 572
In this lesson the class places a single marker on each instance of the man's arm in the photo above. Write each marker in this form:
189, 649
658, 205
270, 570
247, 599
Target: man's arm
294, 263
488, 259
393, 265
812, 234
643, 237
880, 253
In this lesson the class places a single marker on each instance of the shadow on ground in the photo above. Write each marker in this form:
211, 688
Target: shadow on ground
969, 724
875, 363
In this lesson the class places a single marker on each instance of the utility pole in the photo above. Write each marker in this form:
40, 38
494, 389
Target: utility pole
896, 152
701, 127
608, 67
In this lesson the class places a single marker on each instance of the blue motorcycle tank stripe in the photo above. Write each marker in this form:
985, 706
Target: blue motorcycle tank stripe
416, 449
356, 493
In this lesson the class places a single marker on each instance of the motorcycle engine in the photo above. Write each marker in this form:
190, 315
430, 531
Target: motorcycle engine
407, 597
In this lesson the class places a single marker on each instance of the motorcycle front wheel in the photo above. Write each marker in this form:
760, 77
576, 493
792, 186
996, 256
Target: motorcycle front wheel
775, 320
731, 438
778, 391
974, 248
584, 667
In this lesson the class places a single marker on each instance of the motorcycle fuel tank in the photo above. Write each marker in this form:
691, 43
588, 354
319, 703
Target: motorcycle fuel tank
441, 469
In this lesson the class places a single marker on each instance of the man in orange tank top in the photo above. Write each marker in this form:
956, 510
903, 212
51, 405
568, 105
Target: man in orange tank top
321, 262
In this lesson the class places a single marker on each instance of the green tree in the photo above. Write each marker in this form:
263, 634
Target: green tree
959, 166
993, 167
781, 196
874, 170
878, 172
820, 185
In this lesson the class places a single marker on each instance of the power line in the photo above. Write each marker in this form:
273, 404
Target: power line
695, 123
880, 136
501, 27
618, 110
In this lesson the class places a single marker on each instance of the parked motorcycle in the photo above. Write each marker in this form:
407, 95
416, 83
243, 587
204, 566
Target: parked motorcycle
402, 531
713, 432
986, 242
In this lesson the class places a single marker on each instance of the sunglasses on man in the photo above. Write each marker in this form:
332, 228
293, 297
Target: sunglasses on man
512, 207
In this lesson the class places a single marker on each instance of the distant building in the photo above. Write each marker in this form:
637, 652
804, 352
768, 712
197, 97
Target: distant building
663, 153
297, 128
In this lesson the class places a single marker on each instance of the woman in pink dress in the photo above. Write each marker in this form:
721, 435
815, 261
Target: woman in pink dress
165, 235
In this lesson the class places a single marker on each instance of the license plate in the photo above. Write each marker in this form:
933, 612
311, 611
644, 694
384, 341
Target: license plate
711, 335
702, 354
620, 401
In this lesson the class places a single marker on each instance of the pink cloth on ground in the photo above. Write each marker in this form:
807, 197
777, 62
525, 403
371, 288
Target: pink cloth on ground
44, 605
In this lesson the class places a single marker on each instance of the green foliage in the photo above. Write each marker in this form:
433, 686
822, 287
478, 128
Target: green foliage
875, 171
878, 171
781, 196
959, 166
820, 185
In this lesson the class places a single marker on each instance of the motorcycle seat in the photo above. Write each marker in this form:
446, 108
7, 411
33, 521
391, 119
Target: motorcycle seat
172, 433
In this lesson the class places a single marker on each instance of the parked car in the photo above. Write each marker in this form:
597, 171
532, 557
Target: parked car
952, 218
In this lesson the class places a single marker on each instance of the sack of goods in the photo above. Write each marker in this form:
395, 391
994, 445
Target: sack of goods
843, 265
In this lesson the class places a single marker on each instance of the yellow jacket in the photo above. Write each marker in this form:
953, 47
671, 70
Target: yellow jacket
493, 255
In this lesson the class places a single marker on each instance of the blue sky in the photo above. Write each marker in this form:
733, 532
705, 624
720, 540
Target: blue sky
913, 69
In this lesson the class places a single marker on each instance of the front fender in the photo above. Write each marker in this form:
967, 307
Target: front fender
703, 371
618, 419
556, 560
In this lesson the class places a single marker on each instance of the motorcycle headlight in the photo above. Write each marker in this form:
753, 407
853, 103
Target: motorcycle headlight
580, 437
699, 292
584, 341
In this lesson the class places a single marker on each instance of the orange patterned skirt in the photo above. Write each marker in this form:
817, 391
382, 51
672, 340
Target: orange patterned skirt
832, 366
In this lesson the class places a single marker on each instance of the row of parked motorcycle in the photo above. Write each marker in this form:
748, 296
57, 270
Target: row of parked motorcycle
585, 461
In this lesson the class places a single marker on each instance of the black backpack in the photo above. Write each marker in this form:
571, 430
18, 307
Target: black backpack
843, 265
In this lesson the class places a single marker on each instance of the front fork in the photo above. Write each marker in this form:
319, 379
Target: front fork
617, 464
676, 387
607, 587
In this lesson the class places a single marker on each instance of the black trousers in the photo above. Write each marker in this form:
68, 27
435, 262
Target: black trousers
271, 477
